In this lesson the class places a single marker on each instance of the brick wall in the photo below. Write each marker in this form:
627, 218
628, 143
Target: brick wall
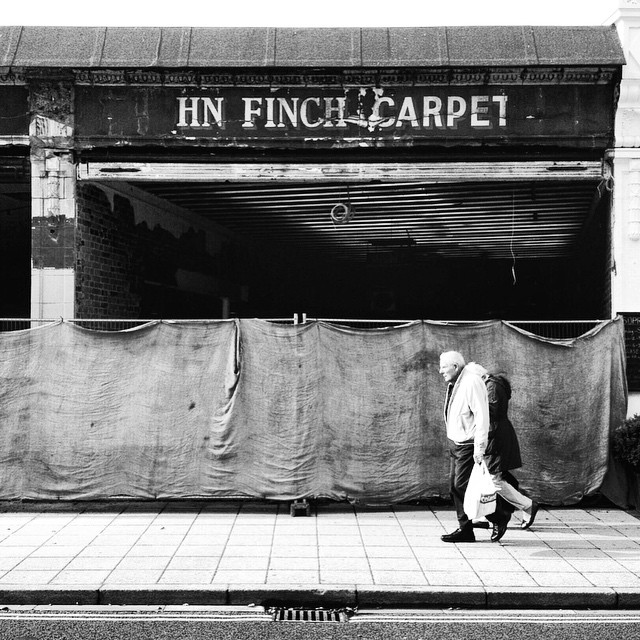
133, 261
108, 257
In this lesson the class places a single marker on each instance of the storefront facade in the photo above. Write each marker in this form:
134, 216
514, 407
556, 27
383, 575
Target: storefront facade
455, 174
379, 175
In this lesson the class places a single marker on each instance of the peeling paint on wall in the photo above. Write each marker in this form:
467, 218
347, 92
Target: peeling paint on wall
150, 215
137, 261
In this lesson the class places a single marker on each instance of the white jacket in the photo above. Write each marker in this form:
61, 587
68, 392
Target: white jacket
467, 417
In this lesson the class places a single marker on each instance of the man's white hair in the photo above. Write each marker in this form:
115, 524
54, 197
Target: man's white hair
453, 357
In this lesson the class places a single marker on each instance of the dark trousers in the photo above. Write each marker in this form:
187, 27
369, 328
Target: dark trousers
459, 473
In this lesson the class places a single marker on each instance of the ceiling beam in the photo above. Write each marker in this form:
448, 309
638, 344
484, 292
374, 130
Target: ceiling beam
428, 172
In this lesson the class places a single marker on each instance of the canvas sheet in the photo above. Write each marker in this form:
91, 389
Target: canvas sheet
254, 409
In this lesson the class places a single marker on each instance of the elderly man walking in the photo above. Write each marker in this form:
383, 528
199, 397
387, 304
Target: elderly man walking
466, 415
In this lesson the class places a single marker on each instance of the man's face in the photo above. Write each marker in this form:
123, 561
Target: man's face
449, 371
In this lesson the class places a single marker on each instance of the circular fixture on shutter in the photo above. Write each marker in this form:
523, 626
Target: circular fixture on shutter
342, 213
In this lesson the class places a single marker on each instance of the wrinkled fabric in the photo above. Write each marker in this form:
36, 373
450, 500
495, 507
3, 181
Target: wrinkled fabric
248, 408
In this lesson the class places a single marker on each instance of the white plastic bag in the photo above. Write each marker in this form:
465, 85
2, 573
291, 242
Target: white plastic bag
480, 496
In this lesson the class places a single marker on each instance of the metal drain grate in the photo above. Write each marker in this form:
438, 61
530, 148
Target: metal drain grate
281, 614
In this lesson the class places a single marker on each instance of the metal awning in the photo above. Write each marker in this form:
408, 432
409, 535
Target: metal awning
346, 47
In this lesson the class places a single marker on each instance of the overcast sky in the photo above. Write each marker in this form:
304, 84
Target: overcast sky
305, 13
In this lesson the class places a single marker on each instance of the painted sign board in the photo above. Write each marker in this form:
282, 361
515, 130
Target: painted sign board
227, 115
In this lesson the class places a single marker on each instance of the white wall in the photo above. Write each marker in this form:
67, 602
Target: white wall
625, 276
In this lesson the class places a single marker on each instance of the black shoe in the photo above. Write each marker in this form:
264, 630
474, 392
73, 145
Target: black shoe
460, 535
535, 507
483, 524
498, 531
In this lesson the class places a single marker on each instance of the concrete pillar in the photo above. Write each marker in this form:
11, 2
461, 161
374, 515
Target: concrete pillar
53, 199
625, 232
625, 289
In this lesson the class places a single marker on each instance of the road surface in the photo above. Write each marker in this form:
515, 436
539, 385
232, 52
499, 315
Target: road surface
254, 623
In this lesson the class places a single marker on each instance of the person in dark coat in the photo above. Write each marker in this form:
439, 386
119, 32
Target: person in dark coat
502, 456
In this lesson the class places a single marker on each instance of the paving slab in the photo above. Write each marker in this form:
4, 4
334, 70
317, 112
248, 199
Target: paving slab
244, 552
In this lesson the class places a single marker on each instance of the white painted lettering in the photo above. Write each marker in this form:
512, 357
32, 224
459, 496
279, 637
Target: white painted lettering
192, 110
407, 114
377, 118
215, 110
456, 108
313, 112
304, 113
431, 107
271, 124
338, 109
477, 110
252, 110
290, 111
502, 111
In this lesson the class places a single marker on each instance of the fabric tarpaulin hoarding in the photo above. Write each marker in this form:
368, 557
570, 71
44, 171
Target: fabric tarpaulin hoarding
249, 408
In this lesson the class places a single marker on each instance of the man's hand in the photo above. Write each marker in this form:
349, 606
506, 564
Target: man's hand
478, 459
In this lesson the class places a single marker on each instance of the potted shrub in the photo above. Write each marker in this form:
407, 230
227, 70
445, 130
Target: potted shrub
626, 443
625, 447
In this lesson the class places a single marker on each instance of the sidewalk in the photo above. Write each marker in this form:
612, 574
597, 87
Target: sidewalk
239, 553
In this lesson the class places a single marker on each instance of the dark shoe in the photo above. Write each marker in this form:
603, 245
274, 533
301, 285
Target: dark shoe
460, 535
535, 507
483, 524
498, 531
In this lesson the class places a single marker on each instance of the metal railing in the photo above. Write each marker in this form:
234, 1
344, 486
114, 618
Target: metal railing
20, 324
555, 329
